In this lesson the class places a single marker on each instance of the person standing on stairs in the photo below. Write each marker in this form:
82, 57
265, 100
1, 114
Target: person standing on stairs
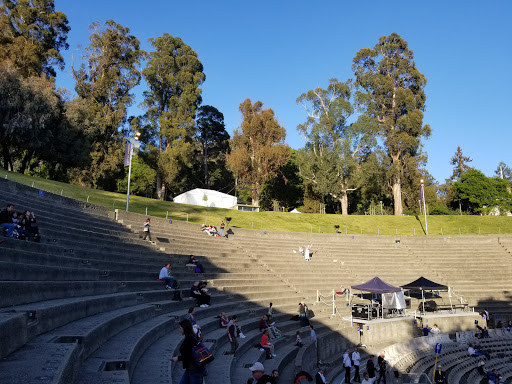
193, 373
222, 226
147, 233
319, 377
232, 334
347, 364
356, 360
381, 364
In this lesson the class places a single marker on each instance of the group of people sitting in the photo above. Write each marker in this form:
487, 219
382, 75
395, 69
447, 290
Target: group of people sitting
492, 375
210, 230
476, 350
269, 333
199, 291
482, 333
19, 225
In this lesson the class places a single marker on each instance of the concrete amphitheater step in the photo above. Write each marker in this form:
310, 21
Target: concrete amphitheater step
125, 348
157, 356
15, 293
56, 248
33, 195
47, 209
47, 212
45, 316
88, 333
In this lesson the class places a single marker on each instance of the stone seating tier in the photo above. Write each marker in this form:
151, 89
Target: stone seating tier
119, 313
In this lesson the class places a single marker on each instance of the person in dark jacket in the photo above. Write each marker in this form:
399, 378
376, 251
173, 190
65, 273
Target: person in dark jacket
193, 373
370, 367
319, 377
28, 225
6, 220
440, 376
381, 362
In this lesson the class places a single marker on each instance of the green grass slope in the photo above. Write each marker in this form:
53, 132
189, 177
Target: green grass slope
277, 221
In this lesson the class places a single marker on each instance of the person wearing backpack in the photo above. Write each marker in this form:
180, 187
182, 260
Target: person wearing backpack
193, 373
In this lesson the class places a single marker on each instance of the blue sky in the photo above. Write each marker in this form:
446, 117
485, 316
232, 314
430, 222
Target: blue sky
275, 50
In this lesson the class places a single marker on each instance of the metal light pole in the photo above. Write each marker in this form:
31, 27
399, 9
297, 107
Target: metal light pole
424, 205
134, 144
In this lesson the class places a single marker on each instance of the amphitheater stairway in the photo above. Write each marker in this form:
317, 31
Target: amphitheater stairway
93, 312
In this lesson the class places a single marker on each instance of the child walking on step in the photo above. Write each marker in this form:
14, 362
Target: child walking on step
147, 233
298, 340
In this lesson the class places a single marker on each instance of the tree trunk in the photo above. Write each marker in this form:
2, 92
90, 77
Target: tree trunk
160, 187
25, 161
344, 203
6, 155
255, 195
205, 152
397, 196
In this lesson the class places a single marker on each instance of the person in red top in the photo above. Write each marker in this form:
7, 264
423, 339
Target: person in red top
265, 344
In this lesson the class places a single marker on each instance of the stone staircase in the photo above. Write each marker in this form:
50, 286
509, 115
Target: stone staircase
84, 305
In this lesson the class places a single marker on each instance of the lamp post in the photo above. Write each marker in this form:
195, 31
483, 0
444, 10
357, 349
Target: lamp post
424, 206
133, 144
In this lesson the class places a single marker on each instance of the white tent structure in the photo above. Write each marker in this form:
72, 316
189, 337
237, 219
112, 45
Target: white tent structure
206, 198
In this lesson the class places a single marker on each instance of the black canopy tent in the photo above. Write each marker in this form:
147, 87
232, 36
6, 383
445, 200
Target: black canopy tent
423, 284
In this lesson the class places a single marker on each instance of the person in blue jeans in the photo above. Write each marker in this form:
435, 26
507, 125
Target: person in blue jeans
6, 220
164, 276
193, 373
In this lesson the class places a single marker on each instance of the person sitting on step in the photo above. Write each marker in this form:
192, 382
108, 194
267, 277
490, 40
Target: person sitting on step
6, 220
204, 300
165, 276
195, 292
266, 345
27, 222
224, 321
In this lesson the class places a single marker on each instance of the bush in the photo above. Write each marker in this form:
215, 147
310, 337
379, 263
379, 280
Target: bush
439, 210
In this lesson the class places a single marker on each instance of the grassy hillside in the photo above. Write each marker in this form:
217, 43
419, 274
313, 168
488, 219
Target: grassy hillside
384, 225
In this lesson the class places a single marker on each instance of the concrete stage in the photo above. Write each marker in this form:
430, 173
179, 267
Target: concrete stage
397, 329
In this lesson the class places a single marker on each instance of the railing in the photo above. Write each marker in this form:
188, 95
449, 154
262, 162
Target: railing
332, 297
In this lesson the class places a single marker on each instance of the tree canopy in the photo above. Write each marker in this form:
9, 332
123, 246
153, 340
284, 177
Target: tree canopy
460, 164
391, 92
363, 136
257, 148
478, 193
104, 84
32, 34
330, 160
173, 74
213, 140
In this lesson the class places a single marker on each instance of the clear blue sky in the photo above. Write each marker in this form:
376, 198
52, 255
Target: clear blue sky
275, 50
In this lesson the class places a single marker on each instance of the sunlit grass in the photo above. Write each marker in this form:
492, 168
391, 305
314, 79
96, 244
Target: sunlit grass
277, 221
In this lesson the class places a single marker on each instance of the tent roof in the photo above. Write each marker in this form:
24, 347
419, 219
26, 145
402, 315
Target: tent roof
376, 285
209, 192
425, 284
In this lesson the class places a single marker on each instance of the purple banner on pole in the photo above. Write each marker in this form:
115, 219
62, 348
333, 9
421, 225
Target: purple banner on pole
421, 194
127, 149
